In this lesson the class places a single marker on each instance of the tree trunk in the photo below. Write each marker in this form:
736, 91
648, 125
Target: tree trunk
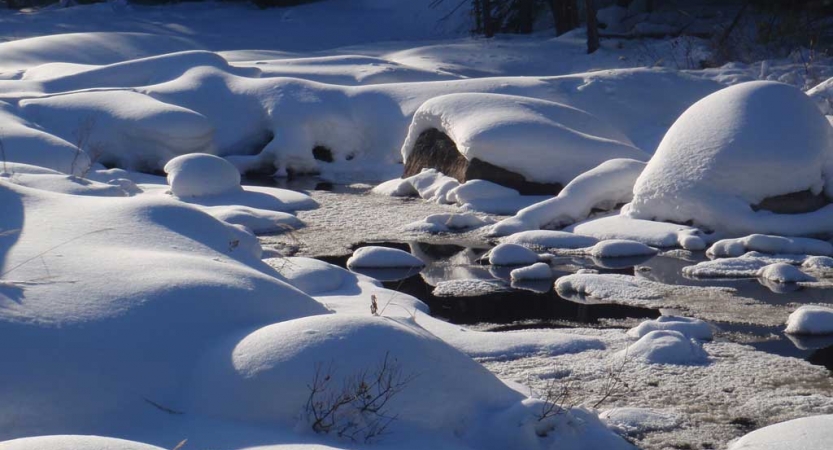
488, 23
565, 15
477, 9
592, 27
526, 16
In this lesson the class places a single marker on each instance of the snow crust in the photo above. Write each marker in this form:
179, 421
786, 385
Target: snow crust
810, 319
709, 165
690, 327
376, 257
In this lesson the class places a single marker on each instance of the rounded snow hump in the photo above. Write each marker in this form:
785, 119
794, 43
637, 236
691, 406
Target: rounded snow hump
736, 159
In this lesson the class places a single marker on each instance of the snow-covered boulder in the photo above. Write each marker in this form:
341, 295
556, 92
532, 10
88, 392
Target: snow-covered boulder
618, 248
817, 263
537, 271
74, 442
666, 347
810, 319
469, 136
383, 257
783, 273
735, 151
511, 255
655, 234
693, 328
446, 223
806, 433
550, 239
202, 175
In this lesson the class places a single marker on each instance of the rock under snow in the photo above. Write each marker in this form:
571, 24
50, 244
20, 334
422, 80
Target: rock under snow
617, 248
709, 167
202, 175
551, 143
770, 244
810, 319
783, 273
550, 239
693, 328
666, 347
383, 257
537, 271
511, 255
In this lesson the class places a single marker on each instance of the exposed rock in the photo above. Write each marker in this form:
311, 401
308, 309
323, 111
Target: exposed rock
794, 203
434, 149
322, 153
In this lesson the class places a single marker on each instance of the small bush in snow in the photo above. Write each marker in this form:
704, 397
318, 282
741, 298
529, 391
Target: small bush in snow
357, 409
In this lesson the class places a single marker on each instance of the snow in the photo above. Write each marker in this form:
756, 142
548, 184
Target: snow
377, 257
467, 288
448, 223
655, 234
202, 175
259, 221
629, 290
770, 244
537, 271
690, 327
474, 190
746, 265
69, 442
808, 433
617, 248
484, 125
810, 319
666, 347
549, 239
783, 273
602, 187
635, 421
709, 166
820, 263
511, 255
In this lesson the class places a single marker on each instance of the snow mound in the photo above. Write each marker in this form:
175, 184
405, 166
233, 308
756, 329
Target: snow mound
709, 166
666, 347
259, 221
817, 263
810, 319
746, 265
71, 442
625, 289
447, 223
616, 248
636, 421
263, 376
484, 126
511, 255
783, 273
383, 257
467, 288
549, 239
603, 187
537, 271
655, 234
71, 185
692, 328
770, 244
311, 276
807, 433
202, 175
474, 190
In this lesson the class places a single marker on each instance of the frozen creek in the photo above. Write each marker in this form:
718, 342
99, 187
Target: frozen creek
741, 388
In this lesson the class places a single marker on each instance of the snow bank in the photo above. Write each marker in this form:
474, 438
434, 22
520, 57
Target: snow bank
483, 126
770, 244
690, 327
378, 257
202, 175
807, 433
511, 255
537, 271
810, 319
708, 168
616, 248
70, 442
783, 273
259, 221
262, 376
666, 347
603, 187
543, 240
